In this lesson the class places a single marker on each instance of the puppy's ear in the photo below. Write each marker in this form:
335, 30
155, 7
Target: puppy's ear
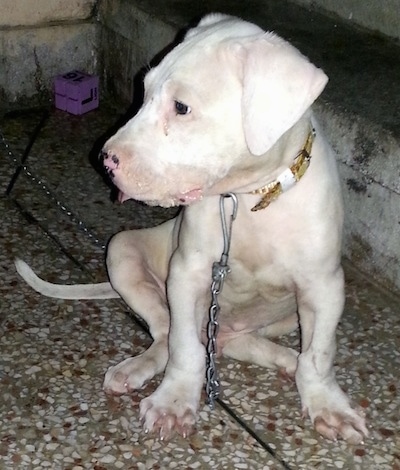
279, 84
208, 20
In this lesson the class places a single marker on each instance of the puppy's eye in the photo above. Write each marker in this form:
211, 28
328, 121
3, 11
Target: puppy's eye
181, 108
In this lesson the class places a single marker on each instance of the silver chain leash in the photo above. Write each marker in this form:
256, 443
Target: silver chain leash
49, 193
220, 270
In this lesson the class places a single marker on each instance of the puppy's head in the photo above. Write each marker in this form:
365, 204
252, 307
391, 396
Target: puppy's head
212, 110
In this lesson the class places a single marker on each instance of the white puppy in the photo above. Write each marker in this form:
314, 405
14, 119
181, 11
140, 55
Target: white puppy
228, 111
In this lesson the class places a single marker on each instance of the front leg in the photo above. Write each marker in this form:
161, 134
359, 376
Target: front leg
173, 406
320, 307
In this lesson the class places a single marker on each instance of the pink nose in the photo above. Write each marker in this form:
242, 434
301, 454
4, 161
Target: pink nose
110, 162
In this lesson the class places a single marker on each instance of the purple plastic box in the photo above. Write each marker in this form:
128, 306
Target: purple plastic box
76, 92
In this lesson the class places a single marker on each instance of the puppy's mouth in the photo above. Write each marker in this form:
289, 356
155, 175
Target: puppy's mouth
180, 199
189, 197
145, 189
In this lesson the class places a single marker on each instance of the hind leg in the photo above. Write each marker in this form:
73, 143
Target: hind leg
258, 350
137, 263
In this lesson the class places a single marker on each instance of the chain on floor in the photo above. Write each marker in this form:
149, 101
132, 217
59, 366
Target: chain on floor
38, 181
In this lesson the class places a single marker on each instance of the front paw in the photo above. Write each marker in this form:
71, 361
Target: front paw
332, 415
170, 411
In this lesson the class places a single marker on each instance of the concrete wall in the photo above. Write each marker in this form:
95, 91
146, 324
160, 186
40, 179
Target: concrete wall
131, 38
369, 168
377, 15
56, 36
41, 39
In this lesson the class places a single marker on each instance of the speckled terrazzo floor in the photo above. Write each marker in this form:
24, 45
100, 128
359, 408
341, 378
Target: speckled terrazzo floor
53, 412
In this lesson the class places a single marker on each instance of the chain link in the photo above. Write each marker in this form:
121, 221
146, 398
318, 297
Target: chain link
18, 164
220, 270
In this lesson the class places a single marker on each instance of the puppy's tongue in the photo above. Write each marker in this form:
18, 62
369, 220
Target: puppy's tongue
190, 196
122, 197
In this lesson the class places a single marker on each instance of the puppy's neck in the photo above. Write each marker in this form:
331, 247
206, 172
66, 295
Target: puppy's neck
266, 168
290, 176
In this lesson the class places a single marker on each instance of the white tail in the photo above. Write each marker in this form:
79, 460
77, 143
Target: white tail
102, 290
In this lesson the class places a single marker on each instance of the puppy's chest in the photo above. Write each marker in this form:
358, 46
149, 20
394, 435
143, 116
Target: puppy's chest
257, 280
